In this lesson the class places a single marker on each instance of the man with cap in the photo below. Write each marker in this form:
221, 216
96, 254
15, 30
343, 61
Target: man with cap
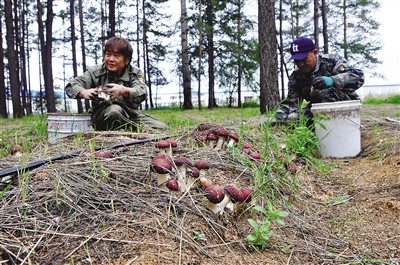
317, 78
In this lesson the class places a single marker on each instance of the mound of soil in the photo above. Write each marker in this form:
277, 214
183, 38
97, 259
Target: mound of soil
87, 209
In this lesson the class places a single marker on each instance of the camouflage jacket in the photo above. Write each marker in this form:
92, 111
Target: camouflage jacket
346, 79
98, 76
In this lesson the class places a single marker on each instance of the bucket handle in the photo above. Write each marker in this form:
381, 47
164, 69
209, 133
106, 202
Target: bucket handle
356, 123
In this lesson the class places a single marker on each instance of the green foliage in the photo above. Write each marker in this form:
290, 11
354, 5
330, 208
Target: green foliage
262, 230
250, 104
393, 99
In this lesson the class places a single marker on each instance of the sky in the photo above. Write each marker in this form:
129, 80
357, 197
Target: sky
389, 17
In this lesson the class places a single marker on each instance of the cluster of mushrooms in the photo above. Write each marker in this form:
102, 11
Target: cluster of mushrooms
180, 174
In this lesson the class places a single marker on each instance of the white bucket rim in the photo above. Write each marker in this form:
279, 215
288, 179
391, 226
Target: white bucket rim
337, 106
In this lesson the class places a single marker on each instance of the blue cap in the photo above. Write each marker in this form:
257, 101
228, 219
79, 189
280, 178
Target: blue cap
301, 47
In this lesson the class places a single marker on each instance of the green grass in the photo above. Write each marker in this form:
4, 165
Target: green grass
393, 99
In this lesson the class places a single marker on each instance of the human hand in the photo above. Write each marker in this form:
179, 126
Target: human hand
115, 91
90, 93
322, 82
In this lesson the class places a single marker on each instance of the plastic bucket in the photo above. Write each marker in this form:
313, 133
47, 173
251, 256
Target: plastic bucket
60, 125
340, 135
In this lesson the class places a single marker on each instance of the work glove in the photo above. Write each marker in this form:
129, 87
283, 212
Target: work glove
88, 93
115, 91
322, 82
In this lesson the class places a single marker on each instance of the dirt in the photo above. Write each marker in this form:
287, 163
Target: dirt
349, 215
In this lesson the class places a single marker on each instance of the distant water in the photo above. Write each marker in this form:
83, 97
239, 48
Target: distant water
381, 90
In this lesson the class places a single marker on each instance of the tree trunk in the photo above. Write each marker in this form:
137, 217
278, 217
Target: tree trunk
111, 19
73, 48
239, 39
269, 91
316, 24
210, 52
325, 26
12, 61
3, 94
146, 59
46, 51
83, 48
345, 45
200, 55
187, 93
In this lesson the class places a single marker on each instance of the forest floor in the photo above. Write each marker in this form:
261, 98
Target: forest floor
88, 210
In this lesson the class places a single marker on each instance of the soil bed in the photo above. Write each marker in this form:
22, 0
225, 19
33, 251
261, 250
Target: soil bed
90, 210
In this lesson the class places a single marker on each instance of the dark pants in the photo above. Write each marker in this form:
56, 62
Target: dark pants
114, 117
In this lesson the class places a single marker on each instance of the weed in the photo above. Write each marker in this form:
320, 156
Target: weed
262, 231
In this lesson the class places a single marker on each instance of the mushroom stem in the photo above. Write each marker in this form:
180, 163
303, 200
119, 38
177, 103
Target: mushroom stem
162, 181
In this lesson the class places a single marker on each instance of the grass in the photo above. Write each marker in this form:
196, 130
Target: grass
392, 99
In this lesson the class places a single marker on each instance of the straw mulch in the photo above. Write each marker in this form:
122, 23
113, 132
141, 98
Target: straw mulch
90, 210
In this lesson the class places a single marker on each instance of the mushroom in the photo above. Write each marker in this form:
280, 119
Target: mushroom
203, 166
234, 195
162, 168
233, 139
255, 155
204, 183
193, 174
181, 163
245, 197
172, 145
215, 195
104, 154
15, 151
212, 139
163, 146
172, 184
222, 135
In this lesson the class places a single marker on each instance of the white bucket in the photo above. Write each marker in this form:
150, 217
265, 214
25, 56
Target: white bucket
341, 136
60, 125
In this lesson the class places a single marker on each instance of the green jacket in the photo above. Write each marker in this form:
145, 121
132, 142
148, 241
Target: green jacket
98, 76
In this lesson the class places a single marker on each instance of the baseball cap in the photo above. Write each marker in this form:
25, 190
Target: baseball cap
300, 48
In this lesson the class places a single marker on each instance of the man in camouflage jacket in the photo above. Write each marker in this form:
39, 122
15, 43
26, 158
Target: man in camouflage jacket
116, 89
319, 78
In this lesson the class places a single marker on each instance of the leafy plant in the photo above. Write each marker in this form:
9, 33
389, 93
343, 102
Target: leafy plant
262, 231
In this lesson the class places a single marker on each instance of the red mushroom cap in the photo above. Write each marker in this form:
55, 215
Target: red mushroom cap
255, 155
202, 164
15, 149
234, 136
181, 160
193, 172
215, 193
162, 144
161, 166
104, 154
222, 132
234, 193
172, 142
172, 184
212, 136
246, 194
247, 146
205, 126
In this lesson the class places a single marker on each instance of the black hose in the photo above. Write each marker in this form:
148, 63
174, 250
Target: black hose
35, 164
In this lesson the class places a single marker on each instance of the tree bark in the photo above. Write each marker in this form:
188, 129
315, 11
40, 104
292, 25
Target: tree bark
187, 90
46, 51
3, 94
269, 91
210, 52
12, 61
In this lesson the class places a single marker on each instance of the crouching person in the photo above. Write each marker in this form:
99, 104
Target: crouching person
318, 78
116, 90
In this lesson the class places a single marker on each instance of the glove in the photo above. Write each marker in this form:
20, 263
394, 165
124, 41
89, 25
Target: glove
88, 93
322, 82
115, 91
